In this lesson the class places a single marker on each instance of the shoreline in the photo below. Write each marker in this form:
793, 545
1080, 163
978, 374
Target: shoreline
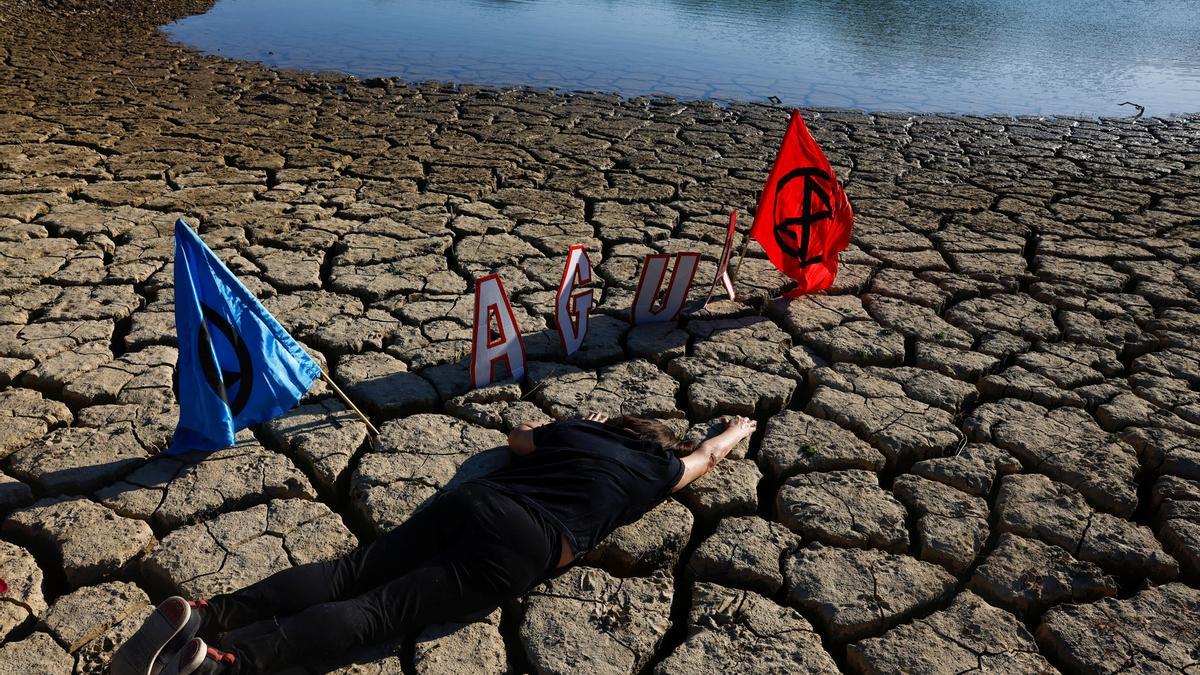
153, 15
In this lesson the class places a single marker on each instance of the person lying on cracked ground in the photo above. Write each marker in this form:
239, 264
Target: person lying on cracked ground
471, 548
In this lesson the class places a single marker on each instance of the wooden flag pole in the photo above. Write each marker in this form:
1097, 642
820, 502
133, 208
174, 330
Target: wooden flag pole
347, 401
741, 257
711, 289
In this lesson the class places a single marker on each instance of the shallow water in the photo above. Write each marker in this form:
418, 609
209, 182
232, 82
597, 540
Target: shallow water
1065, 57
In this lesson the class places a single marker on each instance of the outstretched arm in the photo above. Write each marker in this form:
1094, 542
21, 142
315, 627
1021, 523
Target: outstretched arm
712, 451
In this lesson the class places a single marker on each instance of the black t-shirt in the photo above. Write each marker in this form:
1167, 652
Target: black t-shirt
588, 479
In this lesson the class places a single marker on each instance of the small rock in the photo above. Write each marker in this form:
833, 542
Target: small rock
42, 341
915, 321
104, 301
345, 334
973, 470
970, 635
716, 388
27, 416
37, 654
1027, 577
92, 541
658, 342
23, 600
738, 631
1165, 451
1014, 313
1154, 631
324, 435
927, 386
588, 621
108, 441
141, 377
728, 489
655, 541
1001, 344
879, 410
1032, 505
416, 457
1019, 383
952, 526
751, 341
13, 494
809, 313
957, 363
630, 388
860, 342
87, 613
903, 285
798, 443
1071, 365
744, 552
843, 508
854, 593
1065, 444
238, 548
452, 648
488, 406
383, 386
1177, 502
172, 490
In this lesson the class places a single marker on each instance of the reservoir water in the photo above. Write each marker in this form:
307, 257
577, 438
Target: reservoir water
1058, 57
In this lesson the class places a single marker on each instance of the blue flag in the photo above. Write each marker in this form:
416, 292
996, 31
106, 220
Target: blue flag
237, 365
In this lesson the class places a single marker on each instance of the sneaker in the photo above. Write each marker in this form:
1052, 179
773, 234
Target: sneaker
142, 654
189, 631
197, 658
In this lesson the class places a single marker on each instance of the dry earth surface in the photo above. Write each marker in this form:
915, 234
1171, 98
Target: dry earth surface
980, 451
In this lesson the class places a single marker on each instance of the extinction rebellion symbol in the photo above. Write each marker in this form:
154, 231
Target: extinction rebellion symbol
785, 232
222, 381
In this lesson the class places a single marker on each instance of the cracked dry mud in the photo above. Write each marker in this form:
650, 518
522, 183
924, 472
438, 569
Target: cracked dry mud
978, 451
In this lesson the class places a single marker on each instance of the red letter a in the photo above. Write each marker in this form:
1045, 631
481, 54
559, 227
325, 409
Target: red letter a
492, 303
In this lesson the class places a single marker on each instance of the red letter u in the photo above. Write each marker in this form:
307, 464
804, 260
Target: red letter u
653, 270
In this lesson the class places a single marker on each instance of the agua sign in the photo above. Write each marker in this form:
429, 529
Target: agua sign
803, 221
496, 338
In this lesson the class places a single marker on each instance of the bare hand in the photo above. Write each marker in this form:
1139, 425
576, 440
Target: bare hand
597, 417
740, 427
534, 424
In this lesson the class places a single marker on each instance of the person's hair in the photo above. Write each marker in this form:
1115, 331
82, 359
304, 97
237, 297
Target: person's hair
653, 430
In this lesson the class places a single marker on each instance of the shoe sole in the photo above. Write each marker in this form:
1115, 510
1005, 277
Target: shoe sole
176, 644
189, 659
140, 652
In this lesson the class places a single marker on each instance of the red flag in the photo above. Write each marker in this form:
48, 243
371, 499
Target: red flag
803, 218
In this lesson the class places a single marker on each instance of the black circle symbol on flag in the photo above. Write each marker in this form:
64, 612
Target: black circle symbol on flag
786, 223
219, 377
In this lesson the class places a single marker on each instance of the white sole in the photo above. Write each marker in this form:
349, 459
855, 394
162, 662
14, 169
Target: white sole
178, 667
138, 654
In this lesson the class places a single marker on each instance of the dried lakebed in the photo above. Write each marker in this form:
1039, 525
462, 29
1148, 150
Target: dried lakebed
979, 451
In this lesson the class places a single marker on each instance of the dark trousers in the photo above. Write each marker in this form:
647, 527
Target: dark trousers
467, 552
